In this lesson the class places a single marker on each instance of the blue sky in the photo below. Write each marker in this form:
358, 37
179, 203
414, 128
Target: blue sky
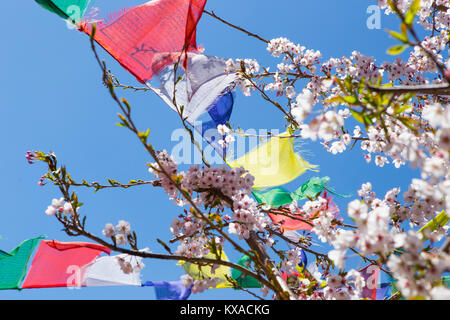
53, 100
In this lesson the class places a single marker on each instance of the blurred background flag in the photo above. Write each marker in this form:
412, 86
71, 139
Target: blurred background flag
370, 274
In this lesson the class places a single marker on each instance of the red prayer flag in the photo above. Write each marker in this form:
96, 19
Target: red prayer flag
285, 275
291, 224
370, 275
148, 37
60, 264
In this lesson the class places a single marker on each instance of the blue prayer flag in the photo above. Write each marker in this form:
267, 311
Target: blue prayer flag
219, 112
169, 290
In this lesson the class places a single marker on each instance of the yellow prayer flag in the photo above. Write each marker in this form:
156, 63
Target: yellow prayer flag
274, 163
221, 272
439, 221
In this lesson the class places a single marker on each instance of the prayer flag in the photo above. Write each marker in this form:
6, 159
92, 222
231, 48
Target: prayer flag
169, 290
299, 221
439, 221
106, 271
218, 113
274, 163
382, 291
276, 197
72, 10
446, 281
149, 41
370, 274
13, 265
202, 86
144, 38
311, 188
294, 236
291, 222
243, 280
60, 264
286, 276
201, 93
279, 196
200, 272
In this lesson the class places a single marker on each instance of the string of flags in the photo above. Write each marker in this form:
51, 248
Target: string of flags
156, 42
81, 264
76, 264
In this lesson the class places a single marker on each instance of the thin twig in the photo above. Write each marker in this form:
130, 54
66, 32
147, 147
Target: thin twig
212, 14
96, 185
281, 236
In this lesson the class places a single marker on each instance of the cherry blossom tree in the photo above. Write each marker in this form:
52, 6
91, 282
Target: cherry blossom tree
401, 107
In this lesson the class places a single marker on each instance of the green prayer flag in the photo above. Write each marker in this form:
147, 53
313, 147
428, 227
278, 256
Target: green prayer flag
446, 281
394, 289
244, 281
276, 197
13, 265
311, 188
72, 10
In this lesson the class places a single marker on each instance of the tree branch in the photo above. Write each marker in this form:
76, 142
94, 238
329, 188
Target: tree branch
82, 232
436, 89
